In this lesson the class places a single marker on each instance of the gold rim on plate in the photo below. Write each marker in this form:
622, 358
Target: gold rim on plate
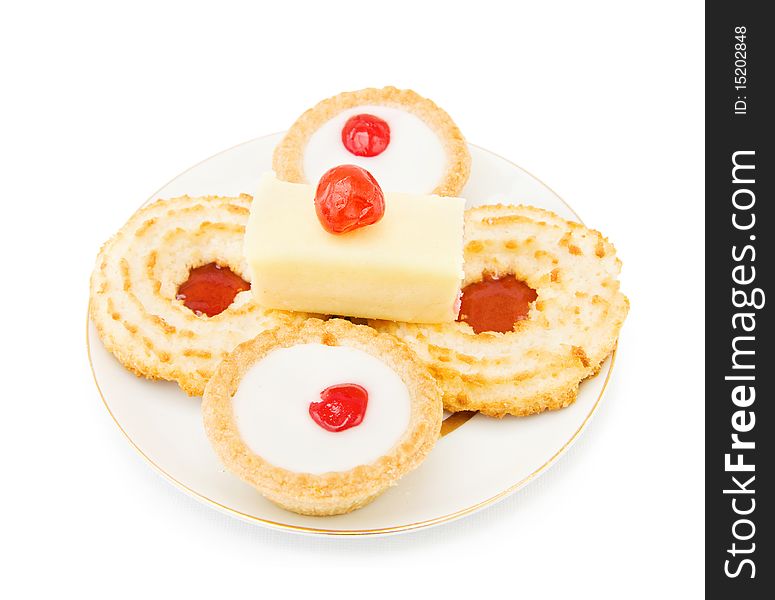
449, 425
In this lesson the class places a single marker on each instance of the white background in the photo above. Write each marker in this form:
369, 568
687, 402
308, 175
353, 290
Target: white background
101, 106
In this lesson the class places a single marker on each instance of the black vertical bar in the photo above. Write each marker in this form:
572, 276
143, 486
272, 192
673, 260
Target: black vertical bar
740, 254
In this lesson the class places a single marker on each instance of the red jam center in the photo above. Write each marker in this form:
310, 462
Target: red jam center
348, 197
496, 303
210, 289
341, 406
366, 135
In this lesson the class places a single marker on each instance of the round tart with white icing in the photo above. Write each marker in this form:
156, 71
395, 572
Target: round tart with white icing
404, 140
323, 417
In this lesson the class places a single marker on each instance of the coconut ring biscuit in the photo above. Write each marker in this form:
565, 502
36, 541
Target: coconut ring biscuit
571, 327
262, 414
134, 290
407, 142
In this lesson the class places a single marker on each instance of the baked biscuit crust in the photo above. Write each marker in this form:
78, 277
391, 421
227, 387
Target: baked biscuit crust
335, 492
288, 159
572, 326
135, 281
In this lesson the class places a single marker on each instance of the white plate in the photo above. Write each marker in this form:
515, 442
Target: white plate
480, 462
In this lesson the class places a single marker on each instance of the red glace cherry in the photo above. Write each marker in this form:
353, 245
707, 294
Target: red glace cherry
366, 135
348, 197
341, 406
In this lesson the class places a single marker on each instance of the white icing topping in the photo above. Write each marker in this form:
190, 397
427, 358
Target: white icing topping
414, 160
271, 408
